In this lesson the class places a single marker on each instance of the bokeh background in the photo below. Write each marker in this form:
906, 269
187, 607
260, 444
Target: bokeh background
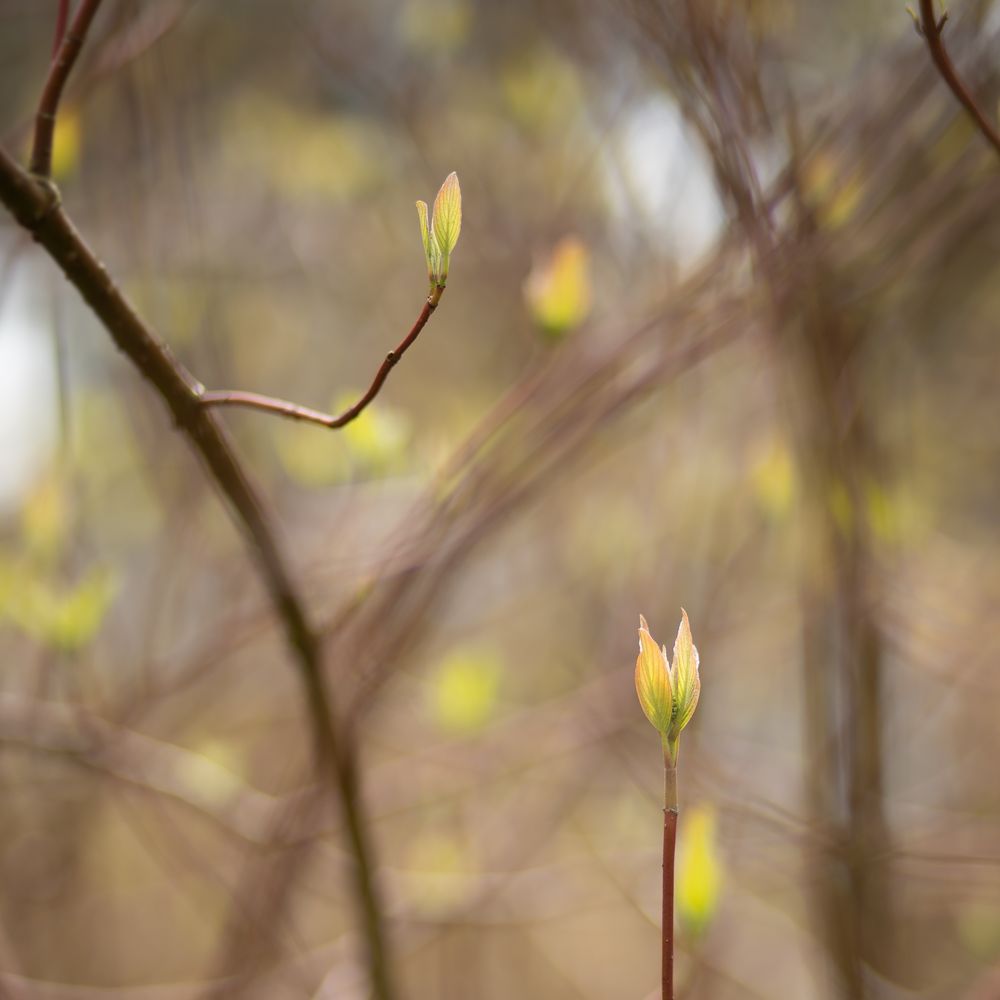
720, 332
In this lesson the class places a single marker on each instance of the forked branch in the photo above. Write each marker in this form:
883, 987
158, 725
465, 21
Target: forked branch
68, 45
931, 27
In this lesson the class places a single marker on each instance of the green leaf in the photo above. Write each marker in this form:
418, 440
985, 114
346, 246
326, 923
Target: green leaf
684, 671
447, 222
652, 681
425, 236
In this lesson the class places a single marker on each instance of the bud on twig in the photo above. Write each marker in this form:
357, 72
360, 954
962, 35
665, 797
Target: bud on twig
441, 235
668, 692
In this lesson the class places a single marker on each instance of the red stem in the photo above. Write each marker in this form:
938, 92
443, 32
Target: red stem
931, 29
256, 401
62, 16
70, 45
669, 844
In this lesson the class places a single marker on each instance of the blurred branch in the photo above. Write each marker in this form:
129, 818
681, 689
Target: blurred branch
150, 764
35, 204
931, 27
255, 401
70, 44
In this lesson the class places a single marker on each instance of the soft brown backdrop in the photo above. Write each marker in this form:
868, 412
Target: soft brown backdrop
762, 384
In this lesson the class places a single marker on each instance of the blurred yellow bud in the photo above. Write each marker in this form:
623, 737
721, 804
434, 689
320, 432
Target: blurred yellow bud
66, 143
699, 870
558, 289
668, 693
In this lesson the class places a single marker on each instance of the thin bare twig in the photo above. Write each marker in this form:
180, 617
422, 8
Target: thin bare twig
283, 408
931, 27
62, 17
669, 846
70, 44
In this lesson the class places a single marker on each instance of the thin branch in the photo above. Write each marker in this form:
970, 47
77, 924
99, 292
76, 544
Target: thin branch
931, 27
283, 408
35, 204
129, 756
669, 846
70, 44
62, 16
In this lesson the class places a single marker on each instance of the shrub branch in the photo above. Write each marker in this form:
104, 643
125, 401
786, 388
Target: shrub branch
931, 27
68, 45
34, 202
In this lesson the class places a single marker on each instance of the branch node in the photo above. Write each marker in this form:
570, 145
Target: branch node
51, 204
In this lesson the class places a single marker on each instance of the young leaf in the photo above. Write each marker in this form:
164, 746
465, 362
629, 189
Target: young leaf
684, 673
652, 681
425, 236
447, 222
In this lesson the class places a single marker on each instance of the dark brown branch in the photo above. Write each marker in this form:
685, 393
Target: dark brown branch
931, 28
283, 408
70, 45
35, 205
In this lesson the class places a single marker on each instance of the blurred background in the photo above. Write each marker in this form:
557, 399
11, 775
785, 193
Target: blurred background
720, 332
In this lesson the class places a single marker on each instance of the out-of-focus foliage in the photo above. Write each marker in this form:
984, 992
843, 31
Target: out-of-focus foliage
558, 289
463, 692
764, 237
699, 870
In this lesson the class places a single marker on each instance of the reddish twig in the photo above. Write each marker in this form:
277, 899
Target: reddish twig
70, 45
931, 27
283, 408
62, 16
669, 844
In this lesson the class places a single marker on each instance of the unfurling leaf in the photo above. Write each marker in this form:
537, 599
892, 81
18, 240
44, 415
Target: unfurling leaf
684, 671
440, 237
448, 214
652, 681
425, 234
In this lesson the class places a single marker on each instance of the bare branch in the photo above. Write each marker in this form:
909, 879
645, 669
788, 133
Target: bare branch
931, 27
147, 763
62, 17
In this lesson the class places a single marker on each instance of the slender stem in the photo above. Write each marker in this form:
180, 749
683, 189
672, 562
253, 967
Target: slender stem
70, 45
931, 27
669, 844
283, 408
62, 16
